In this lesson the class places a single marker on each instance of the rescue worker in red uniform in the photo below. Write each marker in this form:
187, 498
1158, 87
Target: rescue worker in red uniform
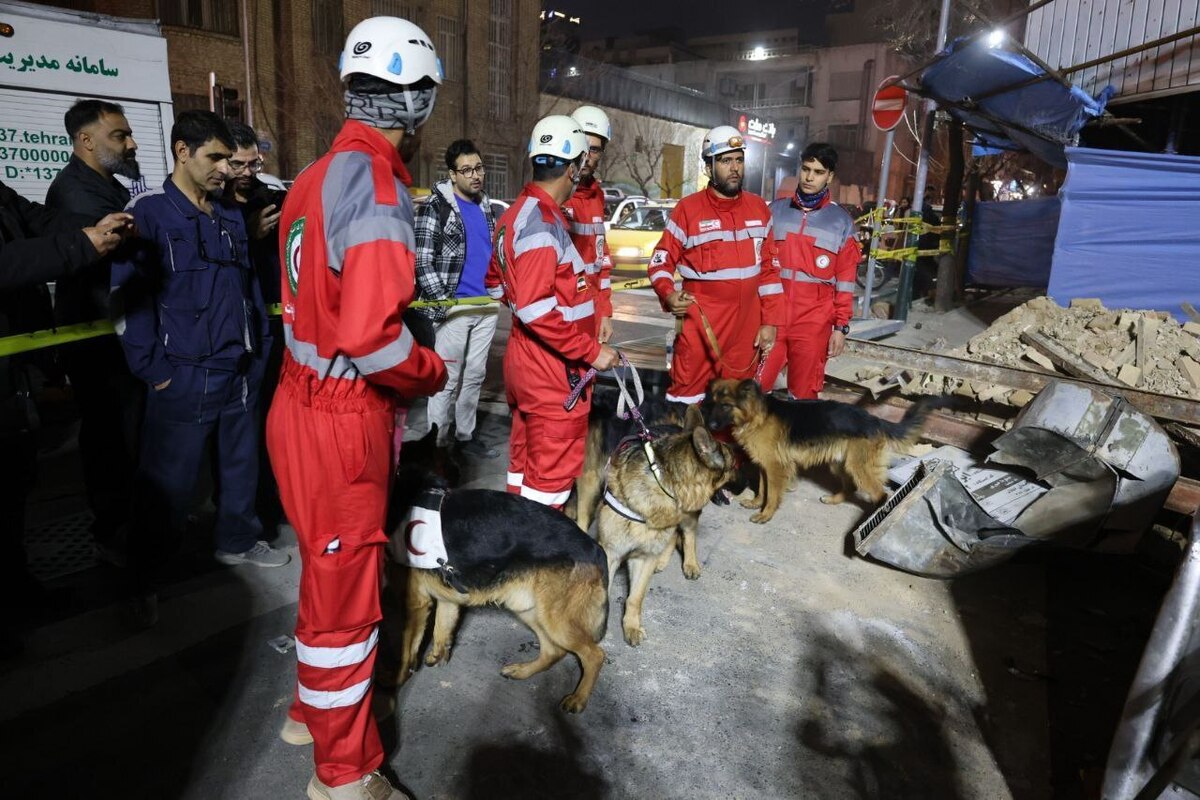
346, 235
585, 216
818, 259
537, 271
719, 240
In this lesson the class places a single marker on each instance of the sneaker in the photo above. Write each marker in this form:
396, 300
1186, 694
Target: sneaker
261, 555
476, 449
372, 786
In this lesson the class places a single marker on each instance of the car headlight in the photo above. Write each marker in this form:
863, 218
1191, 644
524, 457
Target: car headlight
629, 252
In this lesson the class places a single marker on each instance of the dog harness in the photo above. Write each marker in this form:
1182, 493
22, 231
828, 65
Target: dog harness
418, 542
619, 507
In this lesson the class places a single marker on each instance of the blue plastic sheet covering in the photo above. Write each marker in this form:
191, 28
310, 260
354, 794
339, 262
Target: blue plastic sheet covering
1129, 232
1012, 242
1041, 118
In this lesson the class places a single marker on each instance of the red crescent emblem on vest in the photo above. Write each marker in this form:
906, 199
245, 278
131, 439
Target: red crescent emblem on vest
408, 529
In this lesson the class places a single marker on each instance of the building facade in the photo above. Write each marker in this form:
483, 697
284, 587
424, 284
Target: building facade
275, 65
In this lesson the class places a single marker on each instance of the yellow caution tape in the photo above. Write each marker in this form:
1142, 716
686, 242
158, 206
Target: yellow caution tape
67, 334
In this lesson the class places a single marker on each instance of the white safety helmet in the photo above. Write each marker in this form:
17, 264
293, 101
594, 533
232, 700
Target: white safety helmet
392, 49
721, 139
558, 136
594, 121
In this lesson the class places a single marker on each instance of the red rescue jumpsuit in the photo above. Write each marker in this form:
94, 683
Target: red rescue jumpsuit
818, 259
723, 251
349, 273
536, 270
585, 221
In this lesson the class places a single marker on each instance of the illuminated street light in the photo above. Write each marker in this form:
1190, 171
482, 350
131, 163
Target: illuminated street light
995, 38
758, 54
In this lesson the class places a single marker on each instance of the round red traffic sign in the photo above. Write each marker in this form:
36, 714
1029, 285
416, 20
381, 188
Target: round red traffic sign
887, 107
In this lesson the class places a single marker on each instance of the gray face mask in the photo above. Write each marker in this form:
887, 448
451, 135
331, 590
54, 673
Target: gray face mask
406, 109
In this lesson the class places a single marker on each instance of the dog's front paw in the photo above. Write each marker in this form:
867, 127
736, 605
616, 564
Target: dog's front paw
573, 703
634, 636
753, 502
833, 499
517, 671
761, 517
437, 655
691, 571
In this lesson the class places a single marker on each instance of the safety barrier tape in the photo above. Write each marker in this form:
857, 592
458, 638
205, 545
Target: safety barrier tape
67, 334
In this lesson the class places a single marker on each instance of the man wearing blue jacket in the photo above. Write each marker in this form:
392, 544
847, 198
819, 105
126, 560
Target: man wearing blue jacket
193, 326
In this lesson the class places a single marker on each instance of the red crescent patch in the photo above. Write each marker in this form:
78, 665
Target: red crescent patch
408, 529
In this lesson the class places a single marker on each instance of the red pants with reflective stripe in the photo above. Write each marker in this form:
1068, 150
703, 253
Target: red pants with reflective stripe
330, 445
547, 454
735, 321
805, 348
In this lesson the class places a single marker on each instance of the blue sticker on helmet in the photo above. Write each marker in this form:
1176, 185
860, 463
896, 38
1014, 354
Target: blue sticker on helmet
341, 60
441, 72
567, 146
397, 65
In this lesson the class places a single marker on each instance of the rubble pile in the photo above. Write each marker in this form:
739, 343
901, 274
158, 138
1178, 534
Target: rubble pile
1146, 350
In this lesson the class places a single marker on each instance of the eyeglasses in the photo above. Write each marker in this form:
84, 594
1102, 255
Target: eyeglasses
595, 150
467, 172
241, 166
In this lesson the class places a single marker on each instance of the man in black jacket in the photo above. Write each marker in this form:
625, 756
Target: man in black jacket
110, 399
36, 245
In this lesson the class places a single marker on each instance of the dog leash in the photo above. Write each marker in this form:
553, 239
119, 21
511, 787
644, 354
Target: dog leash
577, 387
710, 336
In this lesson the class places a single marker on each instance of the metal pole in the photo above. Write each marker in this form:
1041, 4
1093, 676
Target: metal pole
904, 292
246, 54
884, 174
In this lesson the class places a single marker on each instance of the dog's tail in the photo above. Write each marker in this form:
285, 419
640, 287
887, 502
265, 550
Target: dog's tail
909, 427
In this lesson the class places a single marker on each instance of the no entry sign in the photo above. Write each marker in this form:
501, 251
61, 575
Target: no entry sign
887, 107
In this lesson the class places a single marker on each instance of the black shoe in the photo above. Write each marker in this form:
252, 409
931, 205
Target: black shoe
476, 449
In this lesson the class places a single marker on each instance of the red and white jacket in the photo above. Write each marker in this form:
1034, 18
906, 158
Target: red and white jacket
723, 251
536, 270
818, 259
346, 236
585, 220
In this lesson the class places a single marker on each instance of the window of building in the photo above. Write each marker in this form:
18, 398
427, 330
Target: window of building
329, 35
405, 9
843, 136
496, 180
802, 87
218, 16
450, 46
845, 85
500, 62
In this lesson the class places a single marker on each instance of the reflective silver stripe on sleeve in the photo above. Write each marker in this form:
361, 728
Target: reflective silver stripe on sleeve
536, 310
727, 274
770, 288
844, 286
495, 292
533, 241
576, 313
306, 355
661, 275
802, 277
370, 229
388, 356
676, 231
606, 283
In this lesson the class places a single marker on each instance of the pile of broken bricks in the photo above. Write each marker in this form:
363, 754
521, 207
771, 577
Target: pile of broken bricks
1146, 350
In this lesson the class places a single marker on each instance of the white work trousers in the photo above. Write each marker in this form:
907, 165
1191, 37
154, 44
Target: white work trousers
463, 341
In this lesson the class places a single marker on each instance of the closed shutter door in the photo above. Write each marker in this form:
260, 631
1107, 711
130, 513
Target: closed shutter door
34, 145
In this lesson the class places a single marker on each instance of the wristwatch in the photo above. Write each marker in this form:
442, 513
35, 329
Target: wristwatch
845, 329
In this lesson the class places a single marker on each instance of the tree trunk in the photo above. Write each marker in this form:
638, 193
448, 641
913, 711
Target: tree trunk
947, 281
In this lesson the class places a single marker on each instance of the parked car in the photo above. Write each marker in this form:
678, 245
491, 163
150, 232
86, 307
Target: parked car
614, 193
631, 240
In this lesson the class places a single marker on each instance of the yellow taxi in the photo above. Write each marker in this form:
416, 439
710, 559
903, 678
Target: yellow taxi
631, 241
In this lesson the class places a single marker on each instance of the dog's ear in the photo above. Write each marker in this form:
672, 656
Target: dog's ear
748, 388
692, 418
707, 448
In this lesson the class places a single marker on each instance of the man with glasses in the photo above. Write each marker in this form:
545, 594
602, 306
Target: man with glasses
453, 231
109, 397
585, 215
190, 317
729, 301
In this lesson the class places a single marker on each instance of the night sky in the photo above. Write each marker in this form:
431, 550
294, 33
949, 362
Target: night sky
696, 17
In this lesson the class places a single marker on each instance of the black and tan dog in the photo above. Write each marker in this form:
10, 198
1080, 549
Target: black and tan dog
648, 505
781, 436
516, 553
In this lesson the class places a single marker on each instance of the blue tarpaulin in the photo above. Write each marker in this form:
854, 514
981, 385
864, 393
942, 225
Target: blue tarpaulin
1012, 242
1042, 117
1129, 232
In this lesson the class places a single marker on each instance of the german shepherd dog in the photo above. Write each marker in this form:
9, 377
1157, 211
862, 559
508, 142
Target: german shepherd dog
653, 509
605, 433
781, 436
513, 552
